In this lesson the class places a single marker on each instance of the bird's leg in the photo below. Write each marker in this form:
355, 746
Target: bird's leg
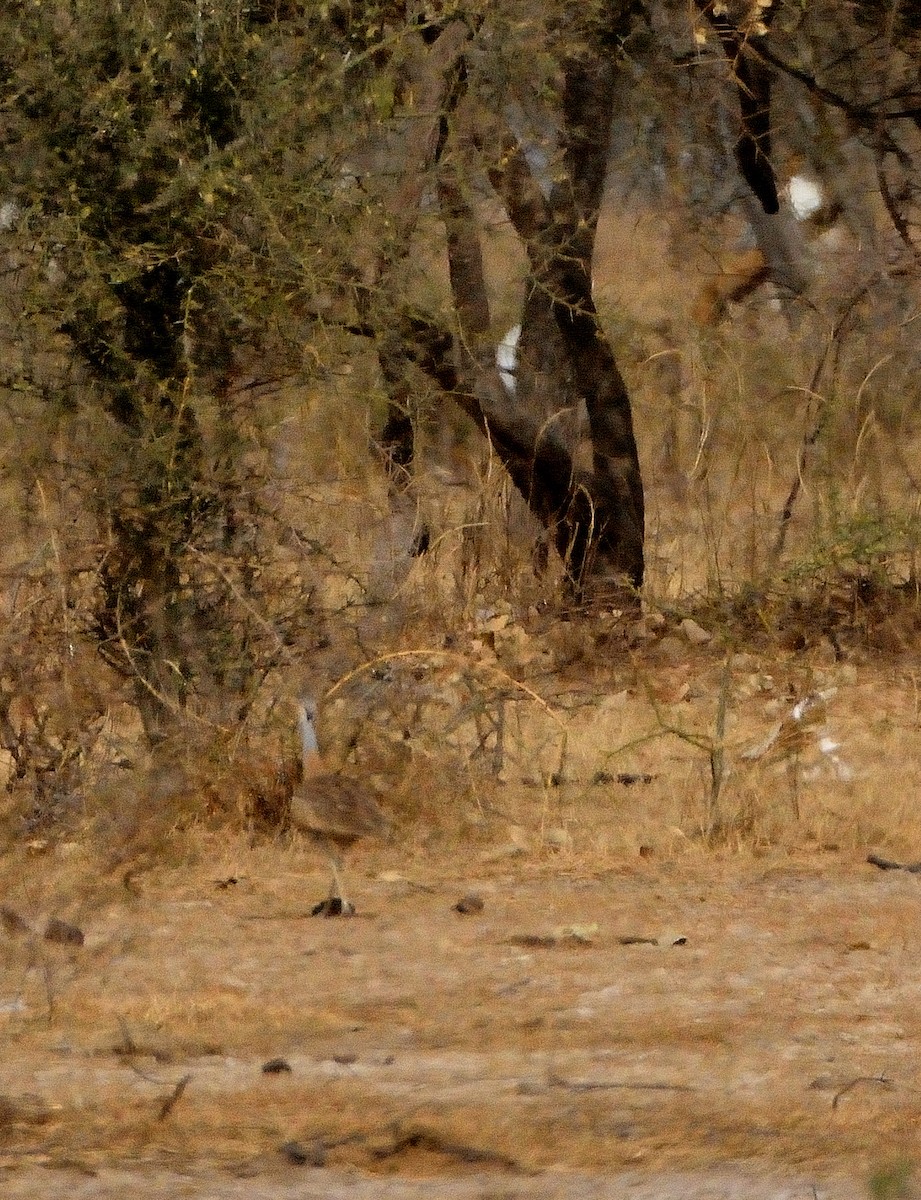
338, 889
336, 904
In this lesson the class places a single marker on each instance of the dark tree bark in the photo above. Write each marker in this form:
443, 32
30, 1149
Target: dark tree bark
752, 77
144, 622
594, 515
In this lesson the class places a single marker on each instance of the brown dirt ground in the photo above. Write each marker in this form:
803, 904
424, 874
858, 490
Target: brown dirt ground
779, 1040
643, 1014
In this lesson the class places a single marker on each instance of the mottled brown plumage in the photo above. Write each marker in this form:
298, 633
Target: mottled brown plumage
333, 809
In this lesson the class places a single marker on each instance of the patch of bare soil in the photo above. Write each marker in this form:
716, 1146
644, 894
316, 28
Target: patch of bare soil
554, 986
659, 1029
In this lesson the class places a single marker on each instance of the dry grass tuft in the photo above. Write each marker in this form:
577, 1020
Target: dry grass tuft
616, 774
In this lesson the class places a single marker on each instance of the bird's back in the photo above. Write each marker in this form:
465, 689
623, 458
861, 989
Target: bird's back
337, 807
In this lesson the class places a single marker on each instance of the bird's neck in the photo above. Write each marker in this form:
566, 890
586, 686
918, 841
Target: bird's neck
310, 751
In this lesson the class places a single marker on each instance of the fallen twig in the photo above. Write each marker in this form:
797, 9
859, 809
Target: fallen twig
173, 1098
889, 864
427, 1139
597, 1085
882, 1080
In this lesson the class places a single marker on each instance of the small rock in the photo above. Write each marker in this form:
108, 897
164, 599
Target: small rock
63, 933
469, 904
333, 906
12, 922
694, 633
670, 938
276, 1066
533, 941
310, 1154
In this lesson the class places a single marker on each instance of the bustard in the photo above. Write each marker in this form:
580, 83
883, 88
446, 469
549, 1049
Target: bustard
334, 811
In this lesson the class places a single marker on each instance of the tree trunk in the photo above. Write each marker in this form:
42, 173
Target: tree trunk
596, 513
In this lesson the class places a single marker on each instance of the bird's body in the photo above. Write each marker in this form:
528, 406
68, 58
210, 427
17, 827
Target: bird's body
333, 809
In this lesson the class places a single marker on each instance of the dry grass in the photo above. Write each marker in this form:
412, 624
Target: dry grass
624, 774
420, 1042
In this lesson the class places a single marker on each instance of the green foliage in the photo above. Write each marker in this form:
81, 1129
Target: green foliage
169, 163
195, 192
892, 1182
883, 548
129, 137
